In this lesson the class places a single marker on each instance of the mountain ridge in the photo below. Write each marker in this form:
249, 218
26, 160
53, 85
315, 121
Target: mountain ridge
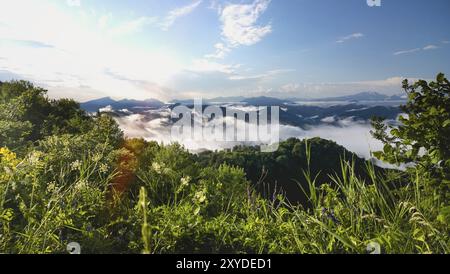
360, 96
368, 96
96, 104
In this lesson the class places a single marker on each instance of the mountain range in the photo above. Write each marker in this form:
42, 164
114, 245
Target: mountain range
362, 96
95, 105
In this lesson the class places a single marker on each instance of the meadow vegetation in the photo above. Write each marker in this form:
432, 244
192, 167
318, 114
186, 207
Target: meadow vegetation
66, 176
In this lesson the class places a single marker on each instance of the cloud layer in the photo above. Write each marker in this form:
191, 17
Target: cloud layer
355, 136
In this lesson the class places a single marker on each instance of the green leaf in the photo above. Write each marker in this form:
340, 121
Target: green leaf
446, 123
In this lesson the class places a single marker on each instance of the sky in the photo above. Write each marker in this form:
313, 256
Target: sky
179, 49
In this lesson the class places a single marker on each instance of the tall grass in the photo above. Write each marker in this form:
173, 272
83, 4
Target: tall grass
217, 211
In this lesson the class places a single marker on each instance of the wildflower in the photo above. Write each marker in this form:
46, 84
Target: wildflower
185, 181
160, 168
34, 158
200, 196
7, 157
9, 163
157, 167
75, 165
104, 168
97, 157
80, 185
51, 187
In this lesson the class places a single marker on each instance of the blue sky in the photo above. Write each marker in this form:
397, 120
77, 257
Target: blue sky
86, 49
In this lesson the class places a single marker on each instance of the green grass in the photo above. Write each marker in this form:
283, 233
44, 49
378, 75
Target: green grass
212, 210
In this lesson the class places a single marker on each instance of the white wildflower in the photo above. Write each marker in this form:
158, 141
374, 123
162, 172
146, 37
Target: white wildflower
80, 185
200, 196
103, 168
157, 167
51, 187
185, 181
75, 165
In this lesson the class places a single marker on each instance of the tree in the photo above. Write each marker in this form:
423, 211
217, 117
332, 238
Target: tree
14, 132
423, 137
27, 115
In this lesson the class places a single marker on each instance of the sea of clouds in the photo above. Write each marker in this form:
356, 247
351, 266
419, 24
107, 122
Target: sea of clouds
353, 135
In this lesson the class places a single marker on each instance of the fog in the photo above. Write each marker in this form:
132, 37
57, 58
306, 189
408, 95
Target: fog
353, 135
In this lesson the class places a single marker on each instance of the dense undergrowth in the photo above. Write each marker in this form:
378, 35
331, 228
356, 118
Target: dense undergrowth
68, 177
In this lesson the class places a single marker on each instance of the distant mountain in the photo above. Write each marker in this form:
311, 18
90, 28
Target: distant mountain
127, 103
355, 108
272, 101
217, 100
265, 101
235, 99
305, 115
182, 102
254, 101
362, 96
95, 105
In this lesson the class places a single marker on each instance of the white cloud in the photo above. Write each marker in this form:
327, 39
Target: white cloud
350, 37
430, 47
352, 135
239, 23
74, 3
401, 52
389, 86
77, 65
106, 109
329, 120
138, 24
355, 136
289, 88
240, 26
173, 15
132, 26
221, 51
388, 82
262, 76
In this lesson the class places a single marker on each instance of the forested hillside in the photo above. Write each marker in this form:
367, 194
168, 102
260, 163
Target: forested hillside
67, 177
282, 172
